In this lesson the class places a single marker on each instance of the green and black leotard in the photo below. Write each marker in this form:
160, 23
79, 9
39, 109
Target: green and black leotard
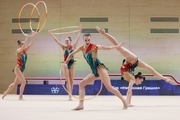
90, 55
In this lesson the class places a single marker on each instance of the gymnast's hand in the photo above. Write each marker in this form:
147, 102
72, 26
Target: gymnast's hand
26, 35
34, 32
65, 64
80, 27
121, 44
50, 31
102, 31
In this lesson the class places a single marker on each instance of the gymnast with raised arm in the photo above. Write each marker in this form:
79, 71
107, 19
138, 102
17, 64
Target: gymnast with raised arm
68, 48
129, 64
20, 67
99, 70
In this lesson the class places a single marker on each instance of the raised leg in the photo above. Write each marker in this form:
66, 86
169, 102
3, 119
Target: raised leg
124, 52
153, 71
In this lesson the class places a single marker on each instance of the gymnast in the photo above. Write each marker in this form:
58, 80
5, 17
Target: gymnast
99, 70
68, 48
129, 64
20, 67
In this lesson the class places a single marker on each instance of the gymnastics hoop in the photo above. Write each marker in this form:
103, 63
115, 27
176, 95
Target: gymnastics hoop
45, 19
62, 28
75, 96
30, 19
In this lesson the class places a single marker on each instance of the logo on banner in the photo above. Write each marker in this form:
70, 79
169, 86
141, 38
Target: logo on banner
55, 90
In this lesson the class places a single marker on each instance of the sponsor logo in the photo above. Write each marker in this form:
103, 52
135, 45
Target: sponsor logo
55, 90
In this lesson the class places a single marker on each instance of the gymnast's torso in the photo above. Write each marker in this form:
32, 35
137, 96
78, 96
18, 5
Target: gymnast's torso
21, 60
128, 67
90, 54
67, 51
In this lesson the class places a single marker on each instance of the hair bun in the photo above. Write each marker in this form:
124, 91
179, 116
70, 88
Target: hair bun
19, 42
70, 38
139, 73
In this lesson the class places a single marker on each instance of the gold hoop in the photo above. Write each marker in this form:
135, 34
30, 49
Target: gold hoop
75, 96
62, 28
45, 15
30, 19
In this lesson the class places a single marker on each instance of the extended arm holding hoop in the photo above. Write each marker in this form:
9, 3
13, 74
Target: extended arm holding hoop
30, 44
57, 41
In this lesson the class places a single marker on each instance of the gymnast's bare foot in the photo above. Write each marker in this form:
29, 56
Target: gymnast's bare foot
131, 105
125, 106
79, 107
21, 98
70, 99
4, 95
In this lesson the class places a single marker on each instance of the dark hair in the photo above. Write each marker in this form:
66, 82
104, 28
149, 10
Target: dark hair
19, 42
70, 38
87, 34
139, 75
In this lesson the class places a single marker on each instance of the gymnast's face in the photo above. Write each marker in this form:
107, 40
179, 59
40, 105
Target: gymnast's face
21, 44
139, 81
67, 41
87, 40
